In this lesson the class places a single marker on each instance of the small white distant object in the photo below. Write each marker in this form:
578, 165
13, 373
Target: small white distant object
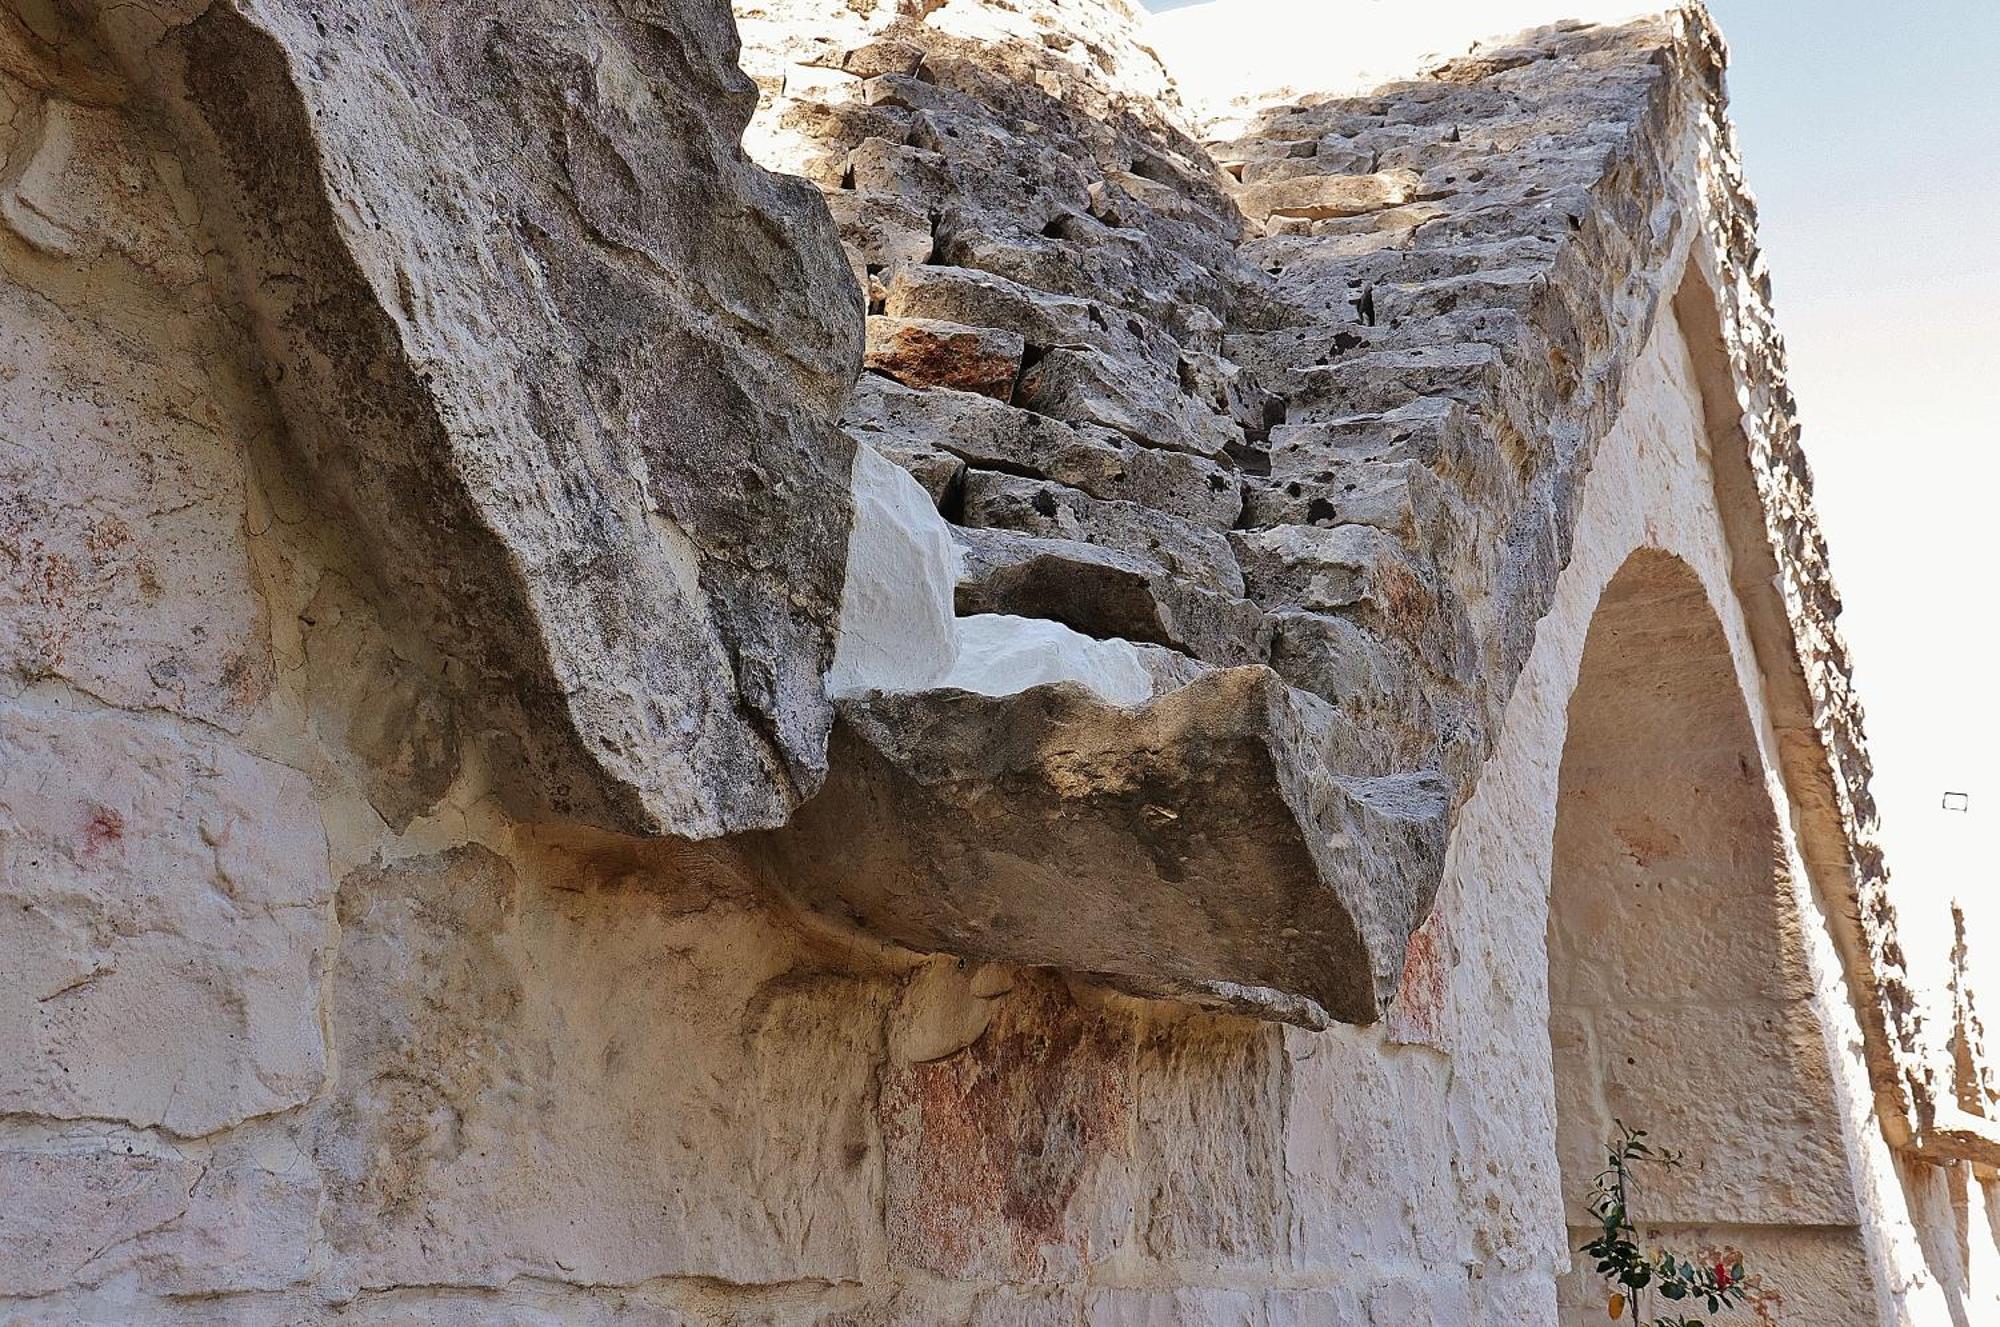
1957, 802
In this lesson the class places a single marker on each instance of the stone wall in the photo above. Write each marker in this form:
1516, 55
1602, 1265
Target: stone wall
422, 474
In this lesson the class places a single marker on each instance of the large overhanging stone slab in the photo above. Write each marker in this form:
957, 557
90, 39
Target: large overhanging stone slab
1194, 846
565, 362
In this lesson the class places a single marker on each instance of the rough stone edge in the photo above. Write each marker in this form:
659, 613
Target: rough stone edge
530, 706
1789, 586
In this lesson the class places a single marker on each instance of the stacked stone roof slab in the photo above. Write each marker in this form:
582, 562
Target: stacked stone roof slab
1313, 396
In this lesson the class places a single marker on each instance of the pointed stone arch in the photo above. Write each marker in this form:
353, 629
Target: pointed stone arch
1681, 999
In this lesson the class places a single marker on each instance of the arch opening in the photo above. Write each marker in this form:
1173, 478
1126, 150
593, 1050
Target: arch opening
1680, 996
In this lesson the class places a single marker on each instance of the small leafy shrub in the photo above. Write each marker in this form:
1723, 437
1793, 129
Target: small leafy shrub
1634, 1274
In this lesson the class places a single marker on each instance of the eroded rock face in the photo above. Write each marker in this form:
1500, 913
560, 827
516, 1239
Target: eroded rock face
564, 358
448, 1029
1195, 846
162, 901
308, 1026
1313, 399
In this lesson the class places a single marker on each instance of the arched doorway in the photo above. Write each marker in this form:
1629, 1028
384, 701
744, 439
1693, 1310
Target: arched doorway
1680, 1000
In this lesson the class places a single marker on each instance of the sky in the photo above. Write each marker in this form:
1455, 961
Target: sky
1873, 145
1871, 138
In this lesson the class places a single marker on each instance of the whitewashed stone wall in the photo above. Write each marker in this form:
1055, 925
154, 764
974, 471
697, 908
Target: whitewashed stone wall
307, 1023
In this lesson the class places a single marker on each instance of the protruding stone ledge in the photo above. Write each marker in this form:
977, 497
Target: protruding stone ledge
1194, 846
561, 361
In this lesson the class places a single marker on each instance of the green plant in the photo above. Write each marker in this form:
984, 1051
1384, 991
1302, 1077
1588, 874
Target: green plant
1634, 1274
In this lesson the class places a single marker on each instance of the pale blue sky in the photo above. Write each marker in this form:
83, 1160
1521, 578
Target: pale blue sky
1871, 136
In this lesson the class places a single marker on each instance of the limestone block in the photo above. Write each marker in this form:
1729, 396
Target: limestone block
122, 507
1209, 1144
82, 1211
945, 1007
596, 1066
564, 357
1096, 460
1734, 930
1325, 570
387, 715
86, 188
1435, 431
938, 473
881, 229
1181, 484
1401, 497
1182, 1307
910, 94
1000, 172
1317, 197
1200, 556
249, 1224
1197, 1306
981, 431
1384, 380
1821, 1276
1265, 170
888, 56
66, 1207
1080, 384
164, 910
1340, 660
997, 1155
1196, 845
1443, 1302
1374, 1182
930, 352
1016, 1308
1103, 592
1759, 1129
984, 300
880, 165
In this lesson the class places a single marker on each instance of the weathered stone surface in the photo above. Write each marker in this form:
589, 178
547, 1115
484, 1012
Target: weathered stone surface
1314, 196
86, 1211
1079, 383
1301, 566
122, 425
979, 431
65, 1207
1100, 462
991, 1152
1192, 843
930, 352
577, 1077
1010, 502
484, 1022
1103, 592
160, 909
395, 717
1213, 1196
881, 229
567, 361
